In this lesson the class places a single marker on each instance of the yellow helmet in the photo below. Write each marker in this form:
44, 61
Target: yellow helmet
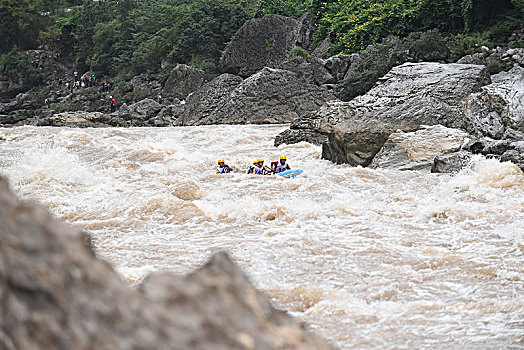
220, 161
260, 160
255, 161
282, 157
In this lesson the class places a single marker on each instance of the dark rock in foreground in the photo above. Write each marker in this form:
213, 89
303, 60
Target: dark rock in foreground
55, 294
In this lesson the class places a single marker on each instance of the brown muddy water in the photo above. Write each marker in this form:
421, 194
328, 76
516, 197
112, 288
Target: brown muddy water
370, 259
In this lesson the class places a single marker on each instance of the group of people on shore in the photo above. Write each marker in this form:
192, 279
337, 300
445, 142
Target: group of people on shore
258, 167
85, 81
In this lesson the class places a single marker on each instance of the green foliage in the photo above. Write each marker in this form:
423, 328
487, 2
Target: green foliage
118, 38
128, 37
299, 52
16, 63
353, 25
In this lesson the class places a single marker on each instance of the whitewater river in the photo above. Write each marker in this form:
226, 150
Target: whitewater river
370, 259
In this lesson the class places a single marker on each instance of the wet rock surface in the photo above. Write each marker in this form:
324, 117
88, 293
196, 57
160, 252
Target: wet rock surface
55, 294
416, 150
137, 114
451, 163
498, 106
407, 97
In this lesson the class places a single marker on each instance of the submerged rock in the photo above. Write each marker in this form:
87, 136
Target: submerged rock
57, 295
266, 42
416, 150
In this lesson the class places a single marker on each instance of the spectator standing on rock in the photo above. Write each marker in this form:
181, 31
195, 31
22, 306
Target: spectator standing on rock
112, 102
160, 99
75, 73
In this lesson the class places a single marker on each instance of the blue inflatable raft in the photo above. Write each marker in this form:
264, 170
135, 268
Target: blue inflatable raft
290, 173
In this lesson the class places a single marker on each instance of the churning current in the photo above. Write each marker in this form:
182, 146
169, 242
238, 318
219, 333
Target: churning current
370, 259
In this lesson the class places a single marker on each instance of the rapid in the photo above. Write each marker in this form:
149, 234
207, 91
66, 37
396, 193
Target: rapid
369, 259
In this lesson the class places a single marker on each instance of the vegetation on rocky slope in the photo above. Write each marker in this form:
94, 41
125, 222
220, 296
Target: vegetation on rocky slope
128, 37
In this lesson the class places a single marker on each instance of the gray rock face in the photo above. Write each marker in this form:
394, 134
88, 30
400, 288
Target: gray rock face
407, 97
183, 80
451, 163
137, 114
338, 66
202, 104
269, 96
416, 150
266, 42
515, 157
291, 136
168, 115
322, 51
57, 295
497, 106
313, 72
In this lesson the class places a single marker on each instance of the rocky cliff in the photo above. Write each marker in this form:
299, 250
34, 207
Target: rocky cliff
55, 294
457, 96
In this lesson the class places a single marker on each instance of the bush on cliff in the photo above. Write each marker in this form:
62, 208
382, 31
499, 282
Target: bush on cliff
18, 64
353, 25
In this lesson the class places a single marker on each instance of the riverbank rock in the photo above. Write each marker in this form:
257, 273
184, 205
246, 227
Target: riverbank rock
75, 120
55, 294
416, 150
137, 114
311, 72
202, 104
183, 80
269, 96
451, 163
266, 42
409, 96
498, 106
338, 66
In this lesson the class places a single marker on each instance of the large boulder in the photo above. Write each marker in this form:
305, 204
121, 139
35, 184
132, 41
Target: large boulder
497, 106
202, 104
416, 150
311, 72
55, 294
409, 96
137, 114
269, 96
183, 80
266, 42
